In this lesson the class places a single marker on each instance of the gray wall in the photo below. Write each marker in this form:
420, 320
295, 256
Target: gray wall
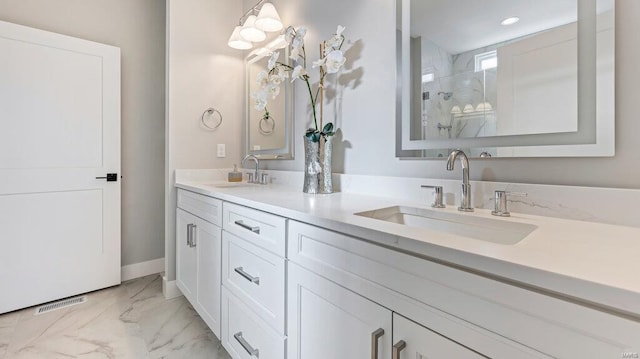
202, 72
366, 107
138, 28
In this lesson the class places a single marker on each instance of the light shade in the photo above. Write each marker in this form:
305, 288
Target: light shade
268, 18
250, 32
237, 42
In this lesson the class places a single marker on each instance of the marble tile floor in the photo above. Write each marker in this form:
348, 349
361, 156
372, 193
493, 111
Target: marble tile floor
132, 320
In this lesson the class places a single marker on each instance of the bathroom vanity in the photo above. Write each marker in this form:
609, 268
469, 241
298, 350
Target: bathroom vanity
276, 273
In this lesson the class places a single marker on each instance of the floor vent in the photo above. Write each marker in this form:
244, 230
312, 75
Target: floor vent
60, 304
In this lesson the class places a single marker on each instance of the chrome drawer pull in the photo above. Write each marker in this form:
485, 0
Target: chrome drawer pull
247, 276
194, 235
246, 346
255, 230
398, 348
189, 234
375, 337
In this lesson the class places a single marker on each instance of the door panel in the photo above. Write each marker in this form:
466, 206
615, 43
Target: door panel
60, 120
209, 248
329, 321
186, 255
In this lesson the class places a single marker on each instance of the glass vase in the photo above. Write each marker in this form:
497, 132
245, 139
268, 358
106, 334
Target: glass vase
317, 166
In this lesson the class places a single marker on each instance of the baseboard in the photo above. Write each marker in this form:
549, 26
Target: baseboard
170, 289
137, 270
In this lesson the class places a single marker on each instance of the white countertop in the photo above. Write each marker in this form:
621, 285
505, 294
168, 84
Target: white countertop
593, 262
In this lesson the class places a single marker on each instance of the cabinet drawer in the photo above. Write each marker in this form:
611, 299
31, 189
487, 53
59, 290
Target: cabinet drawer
443, 296
207, 208
256, 277
260, 228
245, 335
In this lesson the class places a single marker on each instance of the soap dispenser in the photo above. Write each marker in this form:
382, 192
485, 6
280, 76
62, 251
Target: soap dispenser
235, 175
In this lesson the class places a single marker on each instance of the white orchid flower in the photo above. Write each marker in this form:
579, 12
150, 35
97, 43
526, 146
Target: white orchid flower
273, 60
298, 39
335, 42
298, 72
334, 61
319, 63
274, 91
275, 80
260, 98
262, 78
295, 53
282, 73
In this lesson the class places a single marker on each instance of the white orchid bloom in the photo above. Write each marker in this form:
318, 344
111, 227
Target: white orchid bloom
289, 33
275, 80
260, 98
334, 61
274, 91
273, 60
295, 53
298, 39
262, 79
282, 73
335, 42
319, 63
298, 72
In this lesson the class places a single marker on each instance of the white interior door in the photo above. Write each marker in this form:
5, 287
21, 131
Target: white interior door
59, 130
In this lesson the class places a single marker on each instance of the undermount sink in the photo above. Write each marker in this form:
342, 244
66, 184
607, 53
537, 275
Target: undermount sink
223, 184
486, 229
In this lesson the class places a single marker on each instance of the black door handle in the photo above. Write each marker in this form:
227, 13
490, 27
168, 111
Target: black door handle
111, 177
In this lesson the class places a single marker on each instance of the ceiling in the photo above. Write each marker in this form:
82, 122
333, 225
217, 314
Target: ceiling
459, 26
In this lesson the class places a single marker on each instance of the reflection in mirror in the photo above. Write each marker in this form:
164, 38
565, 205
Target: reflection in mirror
495, 76
268, 131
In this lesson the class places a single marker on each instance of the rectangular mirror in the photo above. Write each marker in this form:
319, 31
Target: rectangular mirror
505, 78
268, 133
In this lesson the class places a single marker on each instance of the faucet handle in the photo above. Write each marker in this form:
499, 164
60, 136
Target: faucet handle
500, 205
264, 178
437, 196
250, 177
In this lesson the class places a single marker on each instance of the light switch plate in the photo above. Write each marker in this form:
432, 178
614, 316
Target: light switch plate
222, 150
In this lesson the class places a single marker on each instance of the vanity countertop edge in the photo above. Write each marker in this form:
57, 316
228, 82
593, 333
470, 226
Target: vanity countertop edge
595, 264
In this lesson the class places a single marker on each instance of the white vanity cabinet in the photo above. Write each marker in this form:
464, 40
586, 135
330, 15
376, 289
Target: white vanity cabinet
198, 254
253, 281
479, 314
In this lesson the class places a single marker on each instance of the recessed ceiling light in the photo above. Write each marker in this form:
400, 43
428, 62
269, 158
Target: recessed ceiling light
510, 20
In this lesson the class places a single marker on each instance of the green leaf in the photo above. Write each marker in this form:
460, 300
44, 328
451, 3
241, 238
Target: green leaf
315, 137
328, 127
329, 134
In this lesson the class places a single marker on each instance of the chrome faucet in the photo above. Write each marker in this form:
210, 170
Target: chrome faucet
255, 178
465, 200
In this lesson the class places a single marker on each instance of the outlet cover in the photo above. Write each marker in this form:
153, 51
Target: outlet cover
222, 150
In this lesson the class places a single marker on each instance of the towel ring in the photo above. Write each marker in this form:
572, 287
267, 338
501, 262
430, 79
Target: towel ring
212, 112
266, 125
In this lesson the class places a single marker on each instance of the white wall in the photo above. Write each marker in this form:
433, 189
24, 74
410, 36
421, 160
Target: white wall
137, 27
366, 111
202, 72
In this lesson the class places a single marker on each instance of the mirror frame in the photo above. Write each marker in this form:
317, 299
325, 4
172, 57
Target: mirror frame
596, 130
288, 150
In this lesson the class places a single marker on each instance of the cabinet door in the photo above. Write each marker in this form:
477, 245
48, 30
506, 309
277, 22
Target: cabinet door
207, 242
413, 341
186, 258
326, 320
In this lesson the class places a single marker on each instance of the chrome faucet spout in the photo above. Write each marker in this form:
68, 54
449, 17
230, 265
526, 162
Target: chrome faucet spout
257, 161
465, 200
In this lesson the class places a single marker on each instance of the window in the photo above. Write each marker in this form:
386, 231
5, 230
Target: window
486, 60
